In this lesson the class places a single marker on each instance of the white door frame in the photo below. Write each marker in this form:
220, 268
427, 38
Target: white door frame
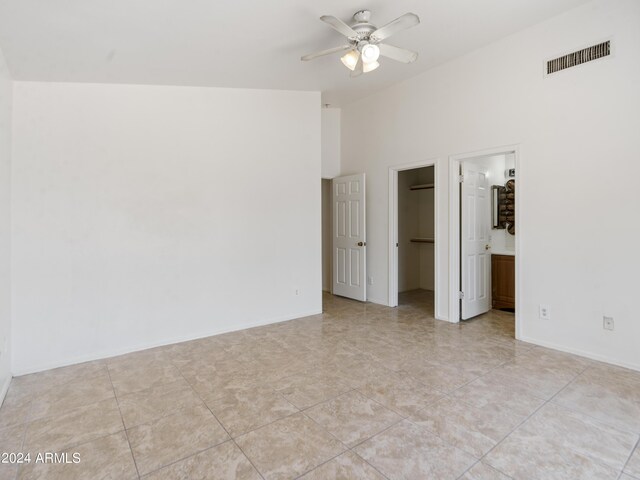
454, 228
393, 228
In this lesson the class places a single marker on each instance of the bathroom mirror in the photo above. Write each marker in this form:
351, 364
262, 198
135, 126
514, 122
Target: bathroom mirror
503, 206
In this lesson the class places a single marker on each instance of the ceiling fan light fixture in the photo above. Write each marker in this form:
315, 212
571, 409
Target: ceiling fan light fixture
369, 67
370, 53
350, 59
365, 42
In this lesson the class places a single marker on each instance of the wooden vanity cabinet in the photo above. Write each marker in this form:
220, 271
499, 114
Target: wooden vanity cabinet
503, 281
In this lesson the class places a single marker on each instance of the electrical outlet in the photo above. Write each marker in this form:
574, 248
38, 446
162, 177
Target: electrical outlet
545, 312
607, 323
370, 280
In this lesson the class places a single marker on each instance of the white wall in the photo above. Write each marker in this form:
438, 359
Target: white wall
408, 252
579, 146
330, 142
426, 229
5, 225
144, 215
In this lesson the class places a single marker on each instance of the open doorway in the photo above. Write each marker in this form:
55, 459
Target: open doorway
413, 266
416, 238
483, 221
327, 229
344, 243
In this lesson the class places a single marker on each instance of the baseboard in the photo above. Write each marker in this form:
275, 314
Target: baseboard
581, 353
5, 388
137, 348
378, 301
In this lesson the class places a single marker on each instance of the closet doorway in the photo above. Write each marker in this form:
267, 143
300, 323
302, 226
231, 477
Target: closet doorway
413, 265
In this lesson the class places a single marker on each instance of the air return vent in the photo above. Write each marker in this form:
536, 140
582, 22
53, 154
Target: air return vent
577, 58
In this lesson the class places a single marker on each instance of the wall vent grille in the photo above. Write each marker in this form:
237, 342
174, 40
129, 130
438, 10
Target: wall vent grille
581, 56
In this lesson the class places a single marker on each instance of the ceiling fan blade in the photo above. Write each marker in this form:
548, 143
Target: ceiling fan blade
340, 26
397, 54
407, 20
328, 51
358, 70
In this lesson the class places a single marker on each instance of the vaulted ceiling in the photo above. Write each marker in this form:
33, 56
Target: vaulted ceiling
234, 43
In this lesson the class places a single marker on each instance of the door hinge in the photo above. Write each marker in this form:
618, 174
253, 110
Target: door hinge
461, 295
460, 178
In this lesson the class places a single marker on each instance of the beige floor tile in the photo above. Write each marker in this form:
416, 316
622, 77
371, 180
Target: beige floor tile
205, 366
8, 471
352, 417
216, 384
608, 398
556, 359
14, 411
526, 455
389, 356
309, 388
148, 405
583, 434
10, 441
438, 376
357, 372
633, 466
174, 437
36, 383
141, 359
74, 427
130, 378
246, 409
347, 466
400, 393
482, 471
106, 457
222, 462
608, 371
74, 393
544, 380
11, 438
408, 451
475, 430
458, 359
500, 391
289, 447
400, 361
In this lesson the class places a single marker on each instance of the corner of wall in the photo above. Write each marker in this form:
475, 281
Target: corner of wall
331, 144
6, 101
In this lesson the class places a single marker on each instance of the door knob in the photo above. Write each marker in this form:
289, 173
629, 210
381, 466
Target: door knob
487, 247
362, 244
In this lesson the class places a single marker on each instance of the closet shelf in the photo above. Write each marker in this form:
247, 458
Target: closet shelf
424, 186
422, 240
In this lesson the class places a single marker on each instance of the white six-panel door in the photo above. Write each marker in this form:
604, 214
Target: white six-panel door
349, 237
475, 255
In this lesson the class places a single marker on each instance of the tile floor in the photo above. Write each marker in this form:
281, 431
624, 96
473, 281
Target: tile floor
360, 392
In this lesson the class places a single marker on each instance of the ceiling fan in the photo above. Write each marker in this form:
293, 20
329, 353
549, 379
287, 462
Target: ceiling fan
364, 42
